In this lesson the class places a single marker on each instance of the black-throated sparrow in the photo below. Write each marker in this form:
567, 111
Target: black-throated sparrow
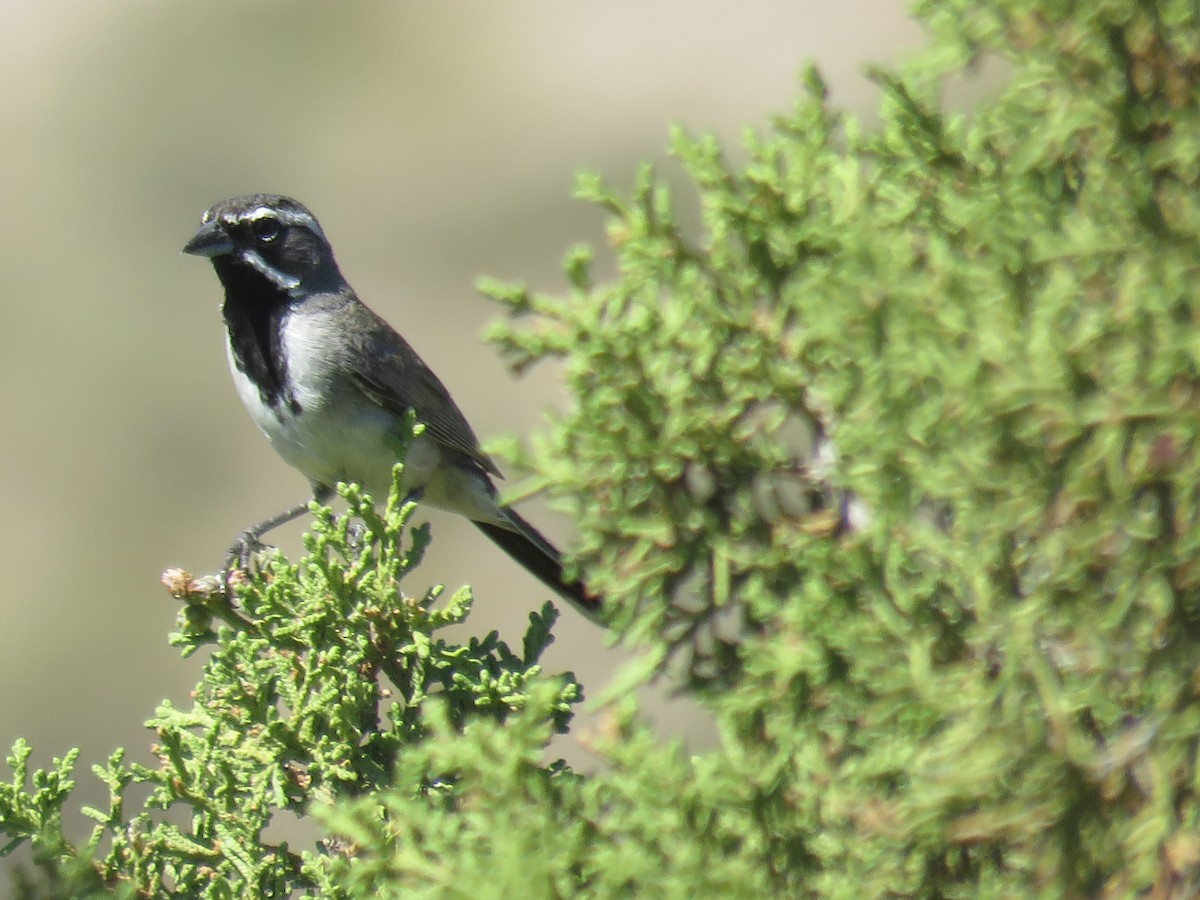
329, 382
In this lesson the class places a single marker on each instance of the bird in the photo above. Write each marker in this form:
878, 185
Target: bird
330, 383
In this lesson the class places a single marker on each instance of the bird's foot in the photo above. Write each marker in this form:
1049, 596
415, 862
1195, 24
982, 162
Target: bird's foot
240, 555
356, 534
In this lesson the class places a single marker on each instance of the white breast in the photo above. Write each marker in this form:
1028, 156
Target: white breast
338, 435
341, 435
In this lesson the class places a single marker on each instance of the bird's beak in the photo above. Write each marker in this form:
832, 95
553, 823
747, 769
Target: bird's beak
211, 240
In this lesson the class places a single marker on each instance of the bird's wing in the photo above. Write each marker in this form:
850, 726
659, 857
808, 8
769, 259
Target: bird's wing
393, 376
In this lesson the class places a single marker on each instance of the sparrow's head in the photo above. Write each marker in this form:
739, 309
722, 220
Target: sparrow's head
268, 234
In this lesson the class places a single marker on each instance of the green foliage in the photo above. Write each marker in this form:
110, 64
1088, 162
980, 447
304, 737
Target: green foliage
893, 462
989, 687
656, 826
318, 679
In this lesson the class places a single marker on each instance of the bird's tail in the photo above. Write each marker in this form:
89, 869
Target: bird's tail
526, 545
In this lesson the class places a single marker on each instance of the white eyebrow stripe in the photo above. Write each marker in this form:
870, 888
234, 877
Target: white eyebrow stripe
285, 216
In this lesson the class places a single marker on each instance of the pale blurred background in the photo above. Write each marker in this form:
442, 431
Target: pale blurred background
437, 143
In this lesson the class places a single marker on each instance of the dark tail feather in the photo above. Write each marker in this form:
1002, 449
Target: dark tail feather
525, 544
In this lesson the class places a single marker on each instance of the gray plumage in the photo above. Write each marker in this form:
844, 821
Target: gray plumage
329, 382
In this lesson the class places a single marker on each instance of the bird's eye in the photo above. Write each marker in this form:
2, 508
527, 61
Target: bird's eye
265, 229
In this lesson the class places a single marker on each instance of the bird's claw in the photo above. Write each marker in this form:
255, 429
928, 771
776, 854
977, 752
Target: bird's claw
356, 534
239, 557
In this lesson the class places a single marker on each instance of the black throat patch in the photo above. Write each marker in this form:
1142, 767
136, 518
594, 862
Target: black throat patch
254, 312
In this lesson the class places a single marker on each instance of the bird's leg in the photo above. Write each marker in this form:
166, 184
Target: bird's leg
249, 541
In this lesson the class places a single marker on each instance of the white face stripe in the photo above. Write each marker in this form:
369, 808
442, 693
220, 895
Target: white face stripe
287, 282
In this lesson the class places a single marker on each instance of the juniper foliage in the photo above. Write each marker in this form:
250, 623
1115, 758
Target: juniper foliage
894, 465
